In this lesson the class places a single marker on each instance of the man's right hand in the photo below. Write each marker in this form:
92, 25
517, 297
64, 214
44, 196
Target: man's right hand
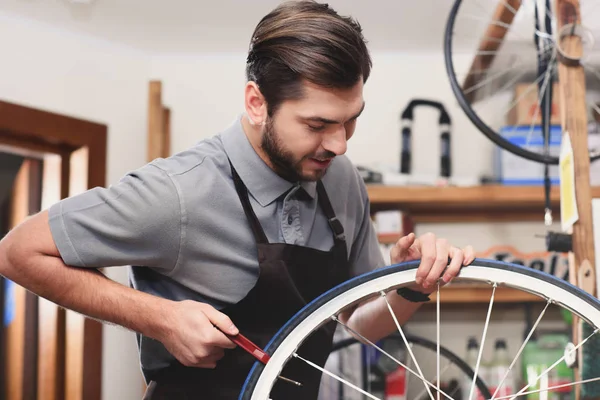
192, 335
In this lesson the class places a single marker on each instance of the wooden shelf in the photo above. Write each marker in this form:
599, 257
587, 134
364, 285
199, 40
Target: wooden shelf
472, 293
467, 204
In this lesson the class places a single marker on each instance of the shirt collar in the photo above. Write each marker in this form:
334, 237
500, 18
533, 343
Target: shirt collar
260, 180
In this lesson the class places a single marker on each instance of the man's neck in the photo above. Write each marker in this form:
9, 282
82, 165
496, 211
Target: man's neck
253, 133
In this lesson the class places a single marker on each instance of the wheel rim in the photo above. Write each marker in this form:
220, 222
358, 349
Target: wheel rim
320, 311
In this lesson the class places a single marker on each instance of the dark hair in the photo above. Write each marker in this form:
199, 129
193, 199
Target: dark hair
305, 40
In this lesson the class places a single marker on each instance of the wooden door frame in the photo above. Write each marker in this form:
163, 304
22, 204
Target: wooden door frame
42, 131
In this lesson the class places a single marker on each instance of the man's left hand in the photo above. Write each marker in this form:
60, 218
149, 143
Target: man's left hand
434, 254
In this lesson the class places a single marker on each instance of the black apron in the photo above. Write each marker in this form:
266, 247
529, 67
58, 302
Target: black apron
290, 276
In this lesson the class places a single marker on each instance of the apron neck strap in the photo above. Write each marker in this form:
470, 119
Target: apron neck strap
259, 233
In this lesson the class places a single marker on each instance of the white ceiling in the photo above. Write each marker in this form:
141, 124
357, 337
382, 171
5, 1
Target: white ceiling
192, 26
195, 26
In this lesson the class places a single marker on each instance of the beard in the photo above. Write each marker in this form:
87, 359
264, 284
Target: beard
283, 160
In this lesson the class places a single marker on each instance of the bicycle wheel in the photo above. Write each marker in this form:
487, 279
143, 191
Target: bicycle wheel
554, 291
420, 342
489, 51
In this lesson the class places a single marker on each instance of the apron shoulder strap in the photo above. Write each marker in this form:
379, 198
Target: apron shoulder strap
259, 233
334, 222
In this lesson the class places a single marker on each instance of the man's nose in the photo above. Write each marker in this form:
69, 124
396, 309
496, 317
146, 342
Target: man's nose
336, 142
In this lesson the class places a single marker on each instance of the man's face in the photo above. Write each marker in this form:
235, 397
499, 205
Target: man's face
305, 135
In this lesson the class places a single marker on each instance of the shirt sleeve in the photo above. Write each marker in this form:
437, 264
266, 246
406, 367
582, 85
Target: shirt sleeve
366, 253
134, 222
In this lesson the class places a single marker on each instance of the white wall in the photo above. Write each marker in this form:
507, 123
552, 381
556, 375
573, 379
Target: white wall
81, 77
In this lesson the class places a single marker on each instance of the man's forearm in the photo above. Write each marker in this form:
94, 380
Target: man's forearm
86, 291
373, 320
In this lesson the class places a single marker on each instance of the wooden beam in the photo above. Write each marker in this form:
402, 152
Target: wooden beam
574, 122
47, 126
35, 147
30, 388
166, 142
490, 43
51, 339
155, 121
15, 331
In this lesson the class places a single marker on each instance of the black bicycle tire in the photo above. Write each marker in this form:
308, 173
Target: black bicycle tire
430, 345
256, 370
468, 110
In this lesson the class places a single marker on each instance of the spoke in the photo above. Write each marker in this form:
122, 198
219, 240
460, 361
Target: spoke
596, 108
494, 22
509, 7
400, 363
533, 328
518, 99
406, 342
439, 376
487, 38
542, 51
330, 385
491, 78
334, 376
483, 336
594, 70
545, 372
515, 126
552, 388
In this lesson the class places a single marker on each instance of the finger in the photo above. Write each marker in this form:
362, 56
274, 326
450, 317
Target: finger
220, 320
215, 354
206, 364
441, 262
457, 258
469, 253
209, 358
427, 244
220, 340
400, 249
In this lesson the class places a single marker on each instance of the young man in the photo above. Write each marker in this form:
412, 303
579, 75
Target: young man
239, 232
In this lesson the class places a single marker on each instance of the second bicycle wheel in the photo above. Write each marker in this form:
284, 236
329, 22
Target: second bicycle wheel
551, 290
453, 369
504, 58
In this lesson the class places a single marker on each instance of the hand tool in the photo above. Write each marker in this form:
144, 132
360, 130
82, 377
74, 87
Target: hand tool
255, 351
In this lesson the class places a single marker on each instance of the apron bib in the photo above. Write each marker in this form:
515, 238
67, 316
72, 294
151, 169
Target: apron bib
290, 276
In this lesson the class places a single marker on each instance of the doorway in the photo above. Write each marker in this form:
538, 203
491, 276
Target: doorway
46, 353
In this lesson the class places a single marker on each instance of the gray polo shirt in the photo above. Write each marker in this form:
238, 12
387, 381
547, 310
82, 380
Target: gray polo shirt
179, 224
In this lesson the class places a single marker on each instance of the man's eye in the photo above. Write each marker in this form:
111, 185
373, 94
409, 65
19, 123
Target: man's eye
316, 128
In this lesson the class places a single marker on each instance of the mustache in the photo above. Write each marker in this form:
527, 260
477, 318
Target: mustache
323, 156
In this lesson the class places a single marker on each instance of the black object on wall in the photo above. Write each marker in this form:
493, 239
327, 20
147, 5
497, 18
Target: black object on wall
445, 123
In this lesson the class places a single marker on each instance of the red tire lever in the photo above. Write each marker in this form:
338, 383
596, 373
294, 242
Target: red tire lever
255, 351
250, 347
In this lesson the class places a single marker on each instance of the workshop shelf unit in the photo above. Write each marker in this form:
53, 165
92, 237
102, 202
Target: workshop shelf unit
485, 203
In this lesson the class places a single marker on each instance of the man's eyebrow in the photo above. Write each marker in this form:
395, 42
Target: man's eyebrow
332, 121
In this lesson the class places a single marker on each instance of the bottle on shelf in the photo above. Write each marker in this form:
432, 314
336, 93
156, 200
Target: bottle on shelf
471, 360
499, 373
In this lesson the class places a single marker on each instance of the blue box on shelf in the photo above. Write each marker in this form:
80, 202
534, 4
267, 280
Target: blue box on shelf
512, 170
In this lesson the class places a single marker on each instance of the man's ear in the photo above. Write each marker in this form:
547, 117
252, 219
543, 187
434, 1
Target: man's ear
256, 106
